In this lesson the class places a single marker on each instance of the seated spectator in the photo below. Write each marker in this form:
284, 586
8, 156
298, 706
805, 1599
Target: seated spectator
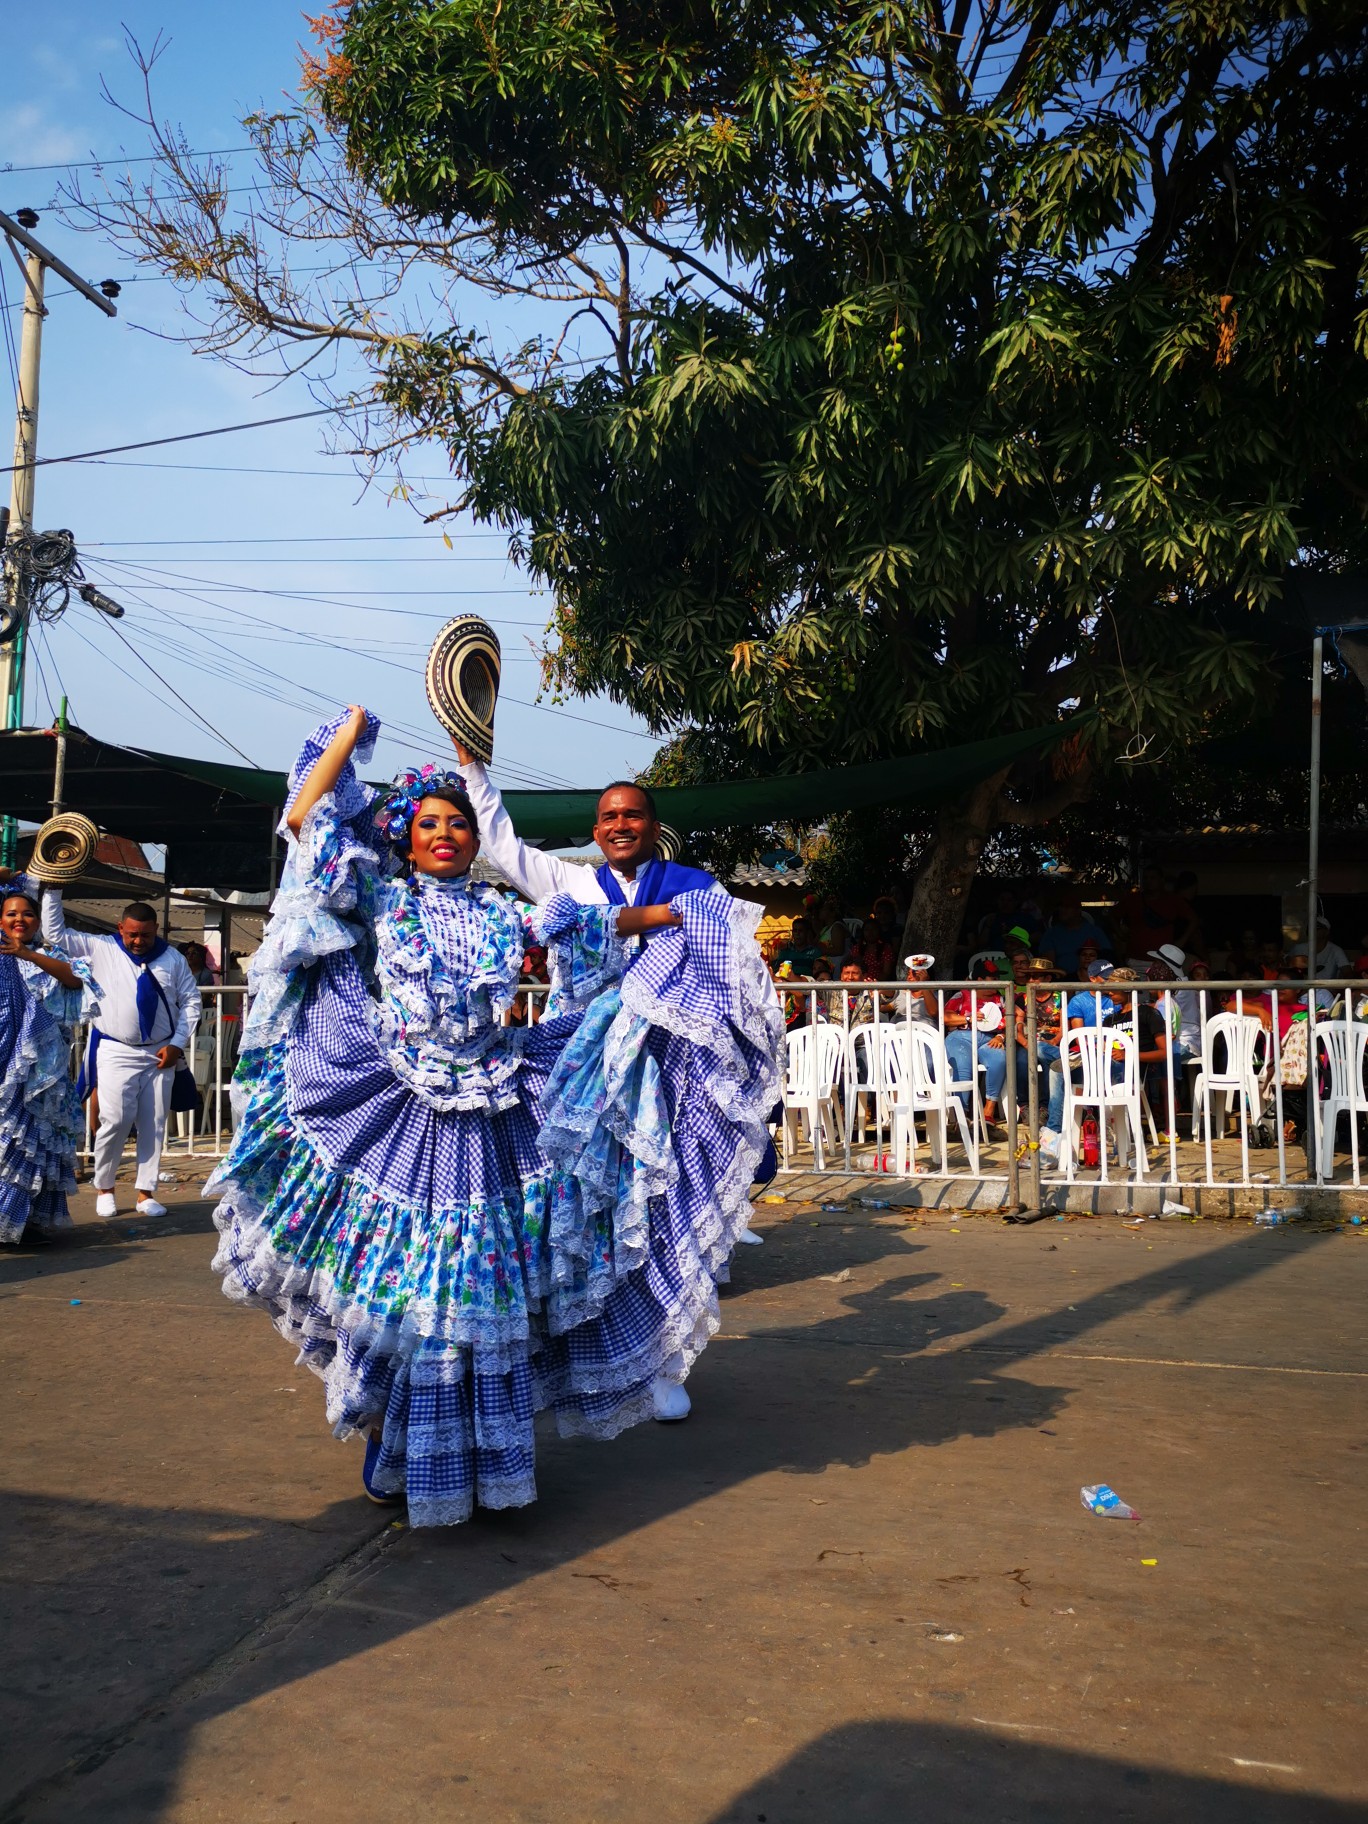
1271, 961
1089, 952
1152, 915
1137, 1014
994, 926
859, 1002
1016, 941
972, 1008
1089, 1007
879, 941
837, 945
919, 1002
1331, 962
1067, 932
802, 949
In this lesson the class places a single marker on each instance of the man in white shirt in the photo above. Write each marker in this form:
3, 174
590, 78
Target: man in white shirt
626, 829
1331, 962
148, 1008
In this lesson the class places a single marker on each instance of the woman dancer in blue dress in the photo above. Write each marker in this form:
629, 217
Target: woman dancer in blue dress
40, 1116
462, 1223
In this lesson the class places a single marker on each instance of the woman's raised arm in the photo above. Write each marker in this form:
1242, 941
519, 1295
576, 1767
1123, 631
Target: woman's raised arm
327, 768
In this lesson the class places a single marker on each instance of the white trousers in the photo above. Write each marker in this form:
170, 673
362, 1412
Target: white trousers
132, 1089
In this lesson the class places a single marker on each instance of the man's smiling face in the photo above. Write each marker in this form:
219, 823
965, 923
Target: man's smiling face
624, 828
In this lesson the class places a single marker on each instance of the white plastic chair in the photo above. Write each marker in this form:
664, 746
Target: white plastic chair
917, 1072
1089, 1049
1242, 1035
1344, 1043
812, 1071
864, 1077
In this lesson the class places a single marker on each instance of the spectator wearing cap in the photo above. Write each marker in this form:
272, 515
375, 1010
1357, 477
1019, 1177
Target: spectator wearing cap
1089, 1007
1006, 917
1016, 941
972, 1009
1068, 931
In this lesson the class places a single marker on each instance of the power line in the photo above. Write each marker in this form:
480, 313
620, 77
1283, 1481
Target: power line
220, 430
115, 629
351, 538
396, 665
118, 158
210, 468
521, 774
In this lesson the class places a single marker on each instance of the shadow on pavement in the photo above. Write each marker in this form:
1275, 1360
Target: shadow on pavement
924, 1773
876, 1379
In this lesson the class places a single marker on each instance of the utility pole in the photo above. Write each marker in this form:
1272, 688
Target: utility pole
19, 520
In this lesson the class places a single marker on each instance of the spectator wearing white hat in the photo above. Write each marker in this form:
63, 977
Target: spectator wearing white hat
919, 1001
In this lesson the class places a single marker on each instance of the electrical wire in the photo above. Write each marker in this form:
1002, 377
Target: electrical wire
315, 598
106, 658
210, 468
119, 158
219, 430
239, 659
10, 354
522, 702
119, 633
350, 538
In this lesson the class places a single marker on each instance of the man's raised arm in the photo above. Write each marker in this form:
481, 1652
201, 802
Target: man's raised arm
56, 935
532, 873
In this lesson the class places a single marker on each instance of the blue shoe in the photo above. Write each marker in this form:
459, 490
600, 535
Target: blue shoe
381, 1497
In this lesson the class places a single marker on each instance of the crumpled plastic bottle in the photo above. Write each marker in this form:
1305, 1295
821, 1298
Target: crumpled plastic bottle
1098, 1498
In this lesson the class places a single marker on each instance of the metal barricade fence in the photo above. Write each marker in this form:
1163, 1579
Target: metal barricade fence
212, 1058
1132, 1084
923, 1079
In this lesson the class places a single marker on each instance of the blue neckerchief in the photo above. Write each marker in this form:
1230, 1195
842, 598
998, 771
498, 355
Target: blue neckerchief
657, 882
149, 990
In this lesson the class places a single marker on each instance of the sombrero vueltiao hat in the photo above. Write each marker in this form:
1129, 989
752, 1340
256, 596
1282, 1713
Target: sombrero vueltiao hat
668, 843
463, 682
64, 848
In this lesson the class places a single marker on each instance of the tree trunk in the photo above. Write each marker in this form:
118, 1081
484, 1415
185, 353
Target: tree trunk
941, 892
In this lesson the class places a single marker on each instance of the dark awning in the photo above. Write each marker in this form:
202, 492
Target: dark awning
216, 820
216, 831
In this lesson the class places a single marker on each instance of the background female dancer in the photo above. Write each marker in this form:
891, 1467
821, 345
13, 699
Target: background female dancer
462, 1223
40, 1116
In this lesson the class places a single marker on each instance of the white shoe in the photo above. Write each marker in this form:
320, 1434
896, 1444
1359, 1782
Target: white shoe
670, 1399
148, 1206
105, 1205
1049, 1143
751, 1239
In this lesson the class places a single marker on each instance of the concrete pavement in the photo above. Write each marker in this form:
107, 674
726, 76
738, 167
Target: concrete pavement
858, 1583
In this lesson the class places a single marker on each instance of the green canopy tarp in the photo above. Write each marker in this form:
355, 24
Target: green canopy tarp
559, 818
217, 820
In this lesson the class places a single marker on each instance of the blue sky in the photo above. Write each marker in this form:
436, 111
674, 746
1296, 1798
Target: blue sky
162, 530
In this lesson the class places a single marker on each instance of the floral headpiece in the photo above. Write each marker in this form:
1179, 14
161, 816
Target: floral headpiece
395, 811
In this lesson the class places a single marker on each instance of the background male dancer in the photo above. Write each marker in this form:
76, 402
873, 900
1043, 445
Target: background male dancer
149, 1005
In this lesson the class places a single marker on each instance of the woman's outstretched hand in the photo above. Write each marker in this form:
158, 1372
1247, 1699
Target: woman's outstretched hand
328, 768
463, 754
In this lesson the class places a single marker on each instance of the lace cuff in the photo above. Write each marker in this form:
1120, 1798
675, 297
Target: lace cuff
583, 950
707, 982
